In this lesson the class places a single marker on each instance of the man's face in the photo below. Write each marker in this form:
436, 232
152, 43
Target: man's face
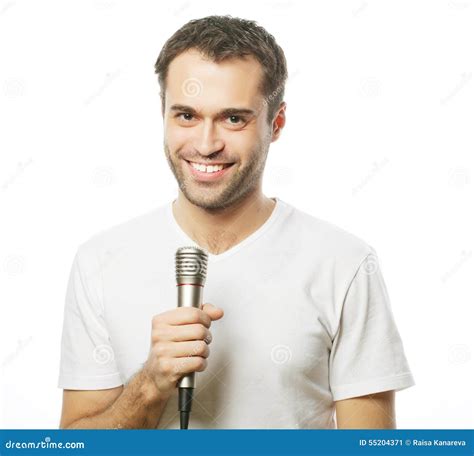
215, 115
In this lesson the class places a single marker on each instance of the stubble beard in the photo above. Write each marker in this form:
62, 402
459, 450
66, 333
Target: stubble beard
216, 197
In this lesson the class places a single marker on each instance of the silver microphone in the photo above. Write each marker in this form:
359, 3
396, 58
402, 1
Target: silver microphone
191, 269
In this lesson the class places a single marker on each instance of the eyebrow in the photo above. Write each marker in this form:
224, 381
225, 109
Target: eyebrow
223, 113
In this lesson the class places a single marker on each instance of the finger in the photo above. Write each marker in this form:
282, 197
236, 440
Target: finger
186, 365
186, 316
188, 348
215, 313
195, 331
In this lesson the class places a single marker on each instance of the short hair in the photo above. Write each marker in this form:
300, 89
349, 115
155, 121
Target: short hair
224, 37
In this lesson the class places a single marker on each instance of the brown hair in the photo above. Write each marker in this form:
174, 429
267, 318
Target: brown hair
223, 37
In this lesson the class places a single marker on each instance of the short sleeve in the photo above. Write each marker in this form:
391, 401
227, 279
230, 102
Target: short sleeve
367, 354
87, 357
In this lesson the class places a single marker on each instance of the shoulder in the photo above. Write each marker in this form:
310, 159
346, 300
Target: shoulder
329, 239
127, 235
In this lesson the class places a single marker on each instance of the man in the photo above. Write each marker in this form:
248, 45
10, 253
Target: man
308, 328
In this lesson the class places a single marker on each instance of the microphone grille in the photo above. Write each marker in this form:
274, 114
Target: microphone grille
191, 265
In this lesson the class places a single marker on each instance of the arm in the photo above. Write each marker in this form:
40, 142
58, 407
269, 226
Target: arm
374, 411
136, 405
179, 345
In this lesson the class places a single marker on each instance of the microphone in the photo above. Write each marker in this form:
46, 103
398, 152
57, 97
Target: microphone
191, 268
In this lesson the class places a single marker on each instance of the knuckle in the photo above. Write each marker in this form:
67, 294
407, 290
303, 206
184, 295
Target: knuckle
202, 317
156, 320
201, 347
207, 320
175, 369
194, 313
201, 364
203, 331
156, 334
160, 350
165, 367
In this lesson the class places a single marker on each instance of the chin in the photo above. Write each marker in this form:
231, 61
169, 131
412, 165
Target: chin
206, 203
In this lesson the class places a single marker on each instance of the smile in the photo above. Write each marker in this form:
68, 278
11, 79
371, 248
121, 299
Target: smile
209, 168
202, 171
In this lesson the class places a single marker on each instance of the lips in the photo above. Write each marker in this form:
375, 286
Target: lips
209, 177
225, 164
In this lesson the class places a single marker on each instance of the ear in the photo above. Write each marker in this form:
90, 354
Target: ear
279, 121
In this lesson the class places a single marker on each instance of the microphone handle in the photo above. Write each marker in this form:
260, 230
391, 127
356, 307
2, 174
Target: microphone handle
189, 295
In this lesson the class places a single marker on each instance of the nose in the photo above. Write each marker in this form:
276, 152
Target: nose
207, 141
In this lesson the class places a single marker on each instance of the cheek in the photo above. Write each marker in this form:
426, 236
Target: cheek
176, 137
241, 143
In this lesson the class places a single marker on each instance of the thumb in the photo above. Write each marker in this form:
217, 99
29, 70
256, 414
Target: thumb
216, 313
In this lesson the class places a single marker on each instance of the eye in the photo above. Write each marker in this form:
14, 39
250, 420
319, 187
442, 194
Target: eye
186, 116
235, 120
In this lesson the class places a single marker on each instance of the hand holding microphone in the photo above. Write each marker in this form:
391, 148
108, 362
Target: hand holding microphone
180, 337
179, 344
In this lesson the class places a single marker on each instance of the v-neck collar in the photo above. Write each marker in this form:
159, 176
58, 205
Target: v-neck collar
276, 212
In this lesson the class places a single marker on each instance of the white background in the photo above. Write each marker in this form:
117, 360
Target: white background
379, 140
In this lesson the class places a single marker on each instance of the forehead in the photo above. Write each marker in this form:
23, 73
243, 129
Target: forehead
196, 81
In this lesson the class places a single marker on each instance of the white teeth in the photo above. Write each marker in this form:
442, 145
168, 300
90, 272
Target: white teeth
206, 169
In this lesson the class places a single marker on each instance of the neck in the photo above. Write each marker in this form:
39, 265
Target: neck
218, 231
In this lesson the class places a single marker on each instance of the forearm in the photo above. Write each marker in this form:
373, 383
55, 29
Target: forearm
373, 411
139, 406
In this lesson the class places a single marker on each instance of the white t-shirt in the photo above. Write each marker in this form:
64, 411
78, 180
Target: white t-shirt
307, 320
